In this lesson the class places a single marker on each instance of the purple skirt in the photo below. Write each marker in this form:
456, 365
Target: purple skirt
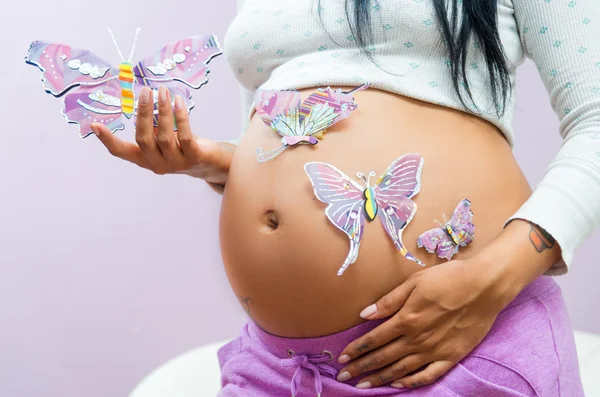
530, 351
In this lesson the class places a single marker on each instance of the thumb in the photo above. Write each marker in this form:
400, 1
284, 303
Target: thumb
390, 303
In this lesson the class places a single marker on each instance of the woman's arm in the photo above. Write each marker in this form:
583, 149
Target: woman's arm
444, 312
561, 37
162, 150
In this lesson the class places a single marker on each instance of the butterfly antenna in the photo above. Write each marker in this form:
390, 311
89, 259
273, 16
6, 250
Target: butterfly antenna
137, 33
360, 88
116, 45
372, 174
360, 175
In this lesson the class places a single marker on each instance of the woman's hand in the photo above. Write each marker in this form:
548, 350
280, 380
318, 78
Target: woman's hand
439, 315
162, 150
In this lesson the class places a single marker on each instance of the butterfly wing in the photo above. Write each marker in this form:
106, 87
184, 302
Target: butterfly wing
87, 84
324, 108
400, 182
177, 66
278, 110
183, 60
85, 105
402, 178
345, 204
64, 67
437, 241
462, 222
396, 214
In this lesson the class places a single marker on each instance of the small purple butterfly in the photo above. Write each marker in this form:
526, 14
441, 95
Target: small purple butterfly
350, 204
301, 123
95, 91
458, 232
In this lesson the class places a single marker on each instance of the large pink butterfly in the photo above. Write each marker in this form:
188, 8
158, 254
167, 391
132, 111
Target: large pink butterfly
302, 123
95, 91
458, 232
350, 204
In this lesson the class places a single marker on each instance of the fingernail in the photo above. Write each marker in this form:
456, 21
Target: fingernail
369, 311
344, 376
398, 385
344, 359
178, 102
364, 385
95, 130
162, 94
145, 96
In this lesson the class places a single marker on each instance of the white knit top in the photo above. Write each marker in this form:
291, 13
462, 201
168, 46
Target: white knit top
281, 44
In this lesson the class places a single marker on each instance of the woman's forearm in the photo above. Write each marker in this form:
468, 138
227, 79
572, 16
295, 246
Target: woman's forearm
518, 256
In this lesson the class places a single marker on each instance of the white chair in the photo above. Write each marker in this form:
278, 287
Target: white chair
196, 372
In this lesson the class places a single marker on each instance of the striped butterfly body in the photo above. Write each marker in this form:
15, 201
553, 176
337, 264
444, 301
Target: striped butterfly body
94, 91
126, 79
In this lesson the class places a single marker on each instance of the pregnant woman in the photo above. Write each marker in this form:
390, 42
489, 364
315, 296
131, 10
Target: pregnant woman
489, 322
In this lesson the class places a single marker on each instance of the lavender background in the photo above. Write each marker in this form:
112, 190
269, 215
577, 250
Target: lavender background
107, 270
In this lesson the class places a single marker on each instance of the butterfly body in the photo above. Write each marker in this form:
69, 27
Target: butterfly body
295, 140
94, 91
126, 80
301, 122
458, 232
350, 204
456, 238
370, 205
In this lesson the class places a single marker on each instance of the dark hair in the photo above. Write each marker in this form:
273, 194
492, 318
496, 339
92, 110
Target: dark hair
478, 18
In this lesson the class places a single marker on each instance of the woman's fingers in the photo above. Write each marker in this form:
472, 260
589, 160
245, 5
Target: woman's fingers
144, 132
117, 147
393, 328
187, 140
373, 340
166, 138
394, 371
390, 303
427, 376
380, 358
161, 149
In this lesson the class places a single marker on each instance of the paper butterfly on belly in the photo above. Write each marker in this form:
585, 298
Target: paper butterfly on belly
351, 204
458, 232
302, 123
97, 92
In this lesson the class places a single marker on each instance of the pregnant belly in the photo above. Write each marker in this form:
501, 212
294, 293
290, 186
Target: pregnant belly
282, 254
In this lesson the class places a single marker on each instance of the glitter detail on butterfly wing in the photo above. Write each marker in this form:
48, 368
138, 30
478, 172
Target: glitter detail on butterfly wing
85, 105
64, 67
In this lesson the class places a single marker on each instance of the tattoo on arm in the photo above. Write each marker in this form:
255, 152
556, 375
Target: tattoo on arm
540, 238
246, 302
